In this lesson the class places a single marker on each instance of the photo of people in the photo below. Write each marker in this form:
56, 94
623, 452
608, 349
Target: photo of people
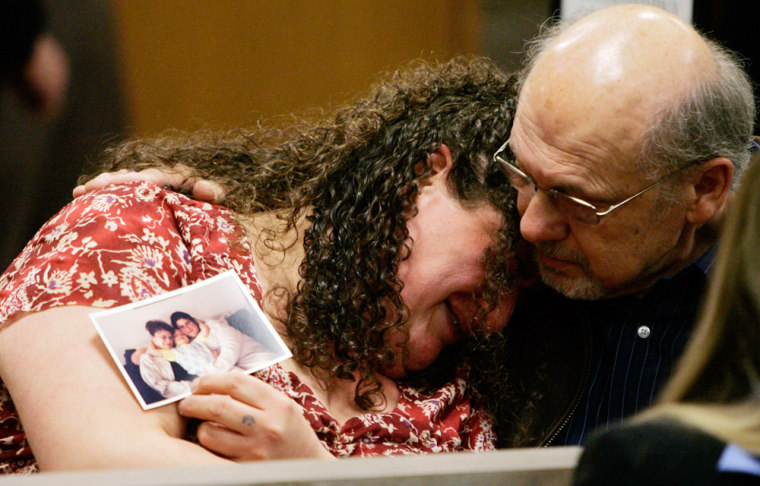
163, 343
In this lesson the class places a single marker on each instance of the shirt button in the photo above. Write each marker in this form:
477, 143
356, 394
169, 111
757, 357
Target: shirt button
644, 332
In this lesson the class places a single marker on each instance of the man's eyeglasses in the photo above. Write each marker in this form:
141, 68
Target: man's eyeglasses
571, 207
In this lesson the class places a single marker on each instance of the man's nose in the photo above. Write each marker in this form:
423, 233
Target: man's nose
539, 218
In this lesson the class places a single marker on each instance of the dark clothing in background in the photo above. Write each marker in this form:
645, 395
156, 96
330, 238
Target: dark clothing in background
733, 23
660, 453
21, 21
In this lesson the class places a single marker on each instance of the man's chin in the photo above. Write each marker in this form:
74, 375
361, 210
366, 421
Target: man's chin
581, 288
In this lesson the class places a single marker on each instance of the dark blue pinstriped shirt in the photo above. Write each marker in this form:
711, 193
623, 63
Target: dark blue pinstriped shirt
627, 370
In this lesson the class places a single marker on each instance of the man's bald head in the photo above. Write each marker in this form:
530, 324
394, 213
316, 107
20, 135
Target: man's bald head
626, 39
617, 74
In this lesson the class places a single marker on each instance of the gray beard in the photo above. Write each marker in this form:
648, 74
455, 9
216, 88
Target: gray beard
584, 288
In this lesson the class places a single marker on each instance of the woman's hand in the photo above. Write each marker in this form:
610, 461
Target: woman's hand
180, 178
245, 419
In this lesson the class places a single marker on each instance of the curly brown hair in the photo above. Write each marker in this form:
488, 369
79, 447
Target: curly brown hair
354, 177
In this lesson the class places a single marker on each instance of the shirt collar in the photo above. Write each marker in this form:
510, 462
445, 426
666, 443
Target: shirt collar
705, 262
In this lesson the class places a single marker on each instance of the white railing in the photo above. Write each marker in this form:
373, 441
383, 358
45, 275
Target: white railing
516, 467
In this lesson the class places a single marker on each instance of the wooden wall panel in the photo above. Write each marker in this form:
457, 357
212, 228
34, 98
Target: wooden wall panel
222, 63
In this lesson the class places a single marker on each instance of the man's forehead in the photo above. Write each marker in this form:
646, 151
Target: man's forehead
574, 126
576, 119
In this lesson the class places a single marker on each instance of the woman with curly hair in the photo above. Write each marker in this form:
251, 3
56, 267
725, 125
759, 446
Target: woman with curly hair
377, 240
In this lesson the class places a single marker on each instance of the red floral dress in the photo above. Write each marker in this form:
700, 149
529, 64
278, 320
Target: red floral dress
129, 242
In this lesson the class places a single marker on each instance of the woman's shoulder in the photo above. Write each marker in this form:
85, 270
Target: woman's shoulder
121, 244
655, 452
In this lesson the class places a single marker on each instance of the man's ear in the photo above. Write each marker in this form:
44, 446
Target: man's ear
711, 190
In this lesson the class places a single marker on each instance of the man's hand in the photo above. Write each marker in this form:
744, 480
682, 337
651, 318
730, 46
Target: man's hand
179, 178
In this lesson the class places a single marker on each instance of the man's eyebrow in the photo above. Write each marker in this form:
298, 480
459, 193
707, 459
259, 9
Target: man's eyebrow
566, 189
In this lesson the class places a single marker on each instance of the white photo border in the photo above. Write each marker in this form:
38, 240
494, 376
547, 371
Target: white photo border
104, 320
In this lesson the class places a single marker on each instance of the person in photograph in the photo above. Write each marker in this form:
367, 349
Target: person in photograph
158, 372
132, 367
380, 241
232, 347
193, 355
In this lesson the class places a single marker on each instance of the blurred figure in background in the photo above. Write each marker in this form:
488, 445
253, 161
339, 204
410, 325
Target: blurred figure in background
60, 102
32, 62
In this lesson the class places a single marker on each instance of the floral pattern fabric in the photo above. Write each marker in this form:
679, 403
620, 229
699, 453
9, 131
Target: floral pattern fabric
130, 242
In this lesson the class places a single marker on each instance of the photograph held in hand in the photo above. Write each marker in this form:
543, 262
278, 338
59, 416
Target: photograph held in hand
163, 343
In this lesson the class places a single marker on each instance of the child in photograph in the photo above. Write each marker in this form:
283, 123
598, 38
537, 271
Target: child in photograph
193, 355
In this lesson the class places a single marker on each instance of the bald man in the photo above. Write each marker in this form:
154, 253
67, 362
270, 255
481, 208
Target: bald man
630, 128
